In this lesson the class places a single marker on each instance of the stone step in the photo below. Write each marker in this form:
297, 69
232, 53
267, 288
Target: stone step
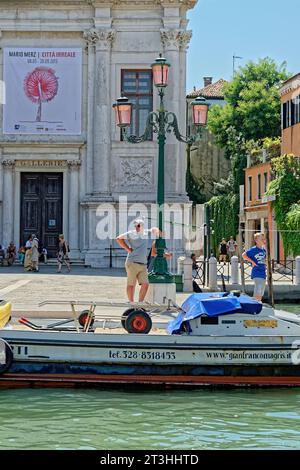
53, 262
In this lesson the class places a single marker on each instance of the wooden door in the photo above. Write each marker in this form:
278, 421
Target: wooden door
41, 208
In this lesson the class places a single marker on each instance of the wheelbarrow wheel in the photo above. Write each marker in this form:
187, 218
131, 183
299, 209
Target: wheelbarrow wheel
82, 318
138, 321
125, 315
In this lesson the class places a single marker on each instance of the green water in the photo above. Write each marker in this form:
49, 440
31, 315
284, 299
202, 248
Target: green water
294, 308
120, 420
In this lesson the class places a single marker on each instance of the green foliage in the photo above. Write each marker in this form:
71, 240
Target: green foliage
252, 112
194, 189
224, 186
223, 210
253, 103
236, 150
293, 224
286, 188
273, 146
255, 149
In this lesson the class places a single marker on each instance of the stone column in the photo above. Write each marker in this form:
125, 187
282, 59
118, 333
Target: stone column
103, 40
91, 37
173, 41
74, 225
185, 38
8, 202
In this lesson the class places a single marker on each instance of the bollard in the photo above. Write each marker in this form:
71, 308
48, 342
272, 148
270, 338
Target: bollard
180, 261
297, 279
234, 270
212, 268
187, 275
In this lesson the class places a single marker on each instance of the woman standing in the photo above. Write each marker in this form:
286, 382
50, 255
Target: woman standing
63, 253
223, 251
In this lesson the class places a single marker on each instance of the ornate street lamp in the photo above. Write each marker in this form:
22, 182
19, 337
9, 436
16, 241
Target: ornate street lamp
161, 123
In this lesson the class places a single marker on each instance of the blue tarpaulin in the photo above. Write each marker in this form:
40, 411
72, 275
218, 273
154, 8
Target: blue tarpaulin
213, 304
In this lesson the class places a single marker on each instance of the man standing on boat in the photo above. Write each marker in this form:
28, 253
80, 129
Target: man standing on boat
257, 257
136, 244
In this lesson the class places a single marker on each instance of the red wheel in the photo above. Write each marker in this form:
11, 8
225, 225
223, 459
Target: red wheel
83, 318
138, 321
125, 315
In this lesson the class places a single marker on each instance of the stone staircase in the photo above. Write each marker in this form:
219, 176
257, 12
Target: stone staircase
53, 262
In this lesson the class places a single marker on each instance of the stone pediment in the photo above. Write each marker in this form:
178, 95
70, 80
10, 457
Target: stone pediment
187, 3
100, 3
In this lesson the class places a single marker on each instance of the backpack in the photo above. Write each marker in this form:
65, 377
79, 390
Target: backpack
66, 248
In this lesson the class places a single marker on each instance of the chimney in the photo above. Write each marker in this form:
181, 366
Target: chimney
207, 81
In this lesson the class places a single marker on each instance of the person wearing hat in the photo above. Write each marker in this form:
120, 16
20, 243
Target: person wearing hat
136, 244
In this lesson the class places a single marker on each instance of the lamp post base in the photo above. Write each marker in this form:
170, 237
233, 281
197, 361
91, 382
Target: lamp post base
161, 292
165, 278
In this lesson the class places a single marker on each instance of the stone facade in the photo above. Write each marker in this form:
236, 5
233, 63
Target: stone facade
208, 164
97, 166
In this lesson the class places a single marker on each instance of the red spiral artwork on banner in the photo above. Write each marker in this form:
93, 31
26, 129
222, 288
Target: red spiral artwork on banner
40, 86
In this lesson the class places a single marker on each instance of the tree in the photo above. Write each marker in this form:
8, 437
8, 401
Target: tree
252, 111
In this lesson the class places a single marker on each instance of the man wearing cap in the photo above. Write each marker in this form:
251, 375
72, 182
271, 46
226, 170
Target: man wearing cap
136, 244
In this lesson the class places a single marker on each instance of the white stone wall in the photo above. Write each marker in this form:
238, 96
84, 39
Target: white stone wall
97, 167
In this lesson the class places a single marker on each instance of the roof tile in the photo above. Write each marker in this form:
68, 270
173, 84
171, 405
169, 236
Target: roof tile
215, 90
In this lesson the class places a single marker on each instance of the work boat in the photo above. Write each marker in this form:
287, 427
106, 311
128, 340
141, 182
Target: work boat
214, 339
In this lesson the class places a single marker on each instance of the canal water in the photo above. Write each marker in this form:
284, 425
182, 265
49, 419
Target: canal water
196, 419
187, 419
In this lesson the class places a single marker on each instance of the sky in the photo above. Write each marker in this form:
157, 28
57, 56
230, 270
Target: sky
251, 29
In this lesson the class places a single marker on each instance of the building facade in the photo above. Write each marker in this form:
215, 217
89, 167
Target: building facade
290, 105
62, 158
207, 160
256, 209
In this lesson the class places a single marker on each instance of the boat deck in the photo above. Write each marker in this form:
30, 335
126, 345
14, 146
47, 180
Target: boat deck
115, 329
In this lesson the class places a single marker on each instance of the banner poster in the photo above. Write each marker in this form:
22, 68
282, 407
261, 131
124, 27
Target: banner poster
43, 90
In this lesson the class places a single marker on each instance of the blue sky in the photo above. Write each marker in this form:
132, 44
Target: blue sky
252, 29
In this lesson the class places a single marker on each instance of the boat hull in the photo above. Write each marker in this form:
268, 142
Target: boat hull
226, 376
71, 359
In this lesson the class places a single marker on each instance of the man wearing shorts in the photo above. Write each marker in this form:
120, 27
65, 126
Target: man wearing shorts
136, 244
257, 257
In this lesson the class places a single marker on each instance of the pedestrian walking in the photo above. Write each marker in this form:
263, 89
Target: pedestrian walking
63, 253
28, 254
231, 247
136, 244
223, 251
257, 257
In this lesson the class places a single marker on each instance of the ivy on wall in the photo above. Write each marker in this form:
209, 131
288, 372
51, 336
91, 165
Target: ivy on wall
224, 220
286, 188
194, 189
